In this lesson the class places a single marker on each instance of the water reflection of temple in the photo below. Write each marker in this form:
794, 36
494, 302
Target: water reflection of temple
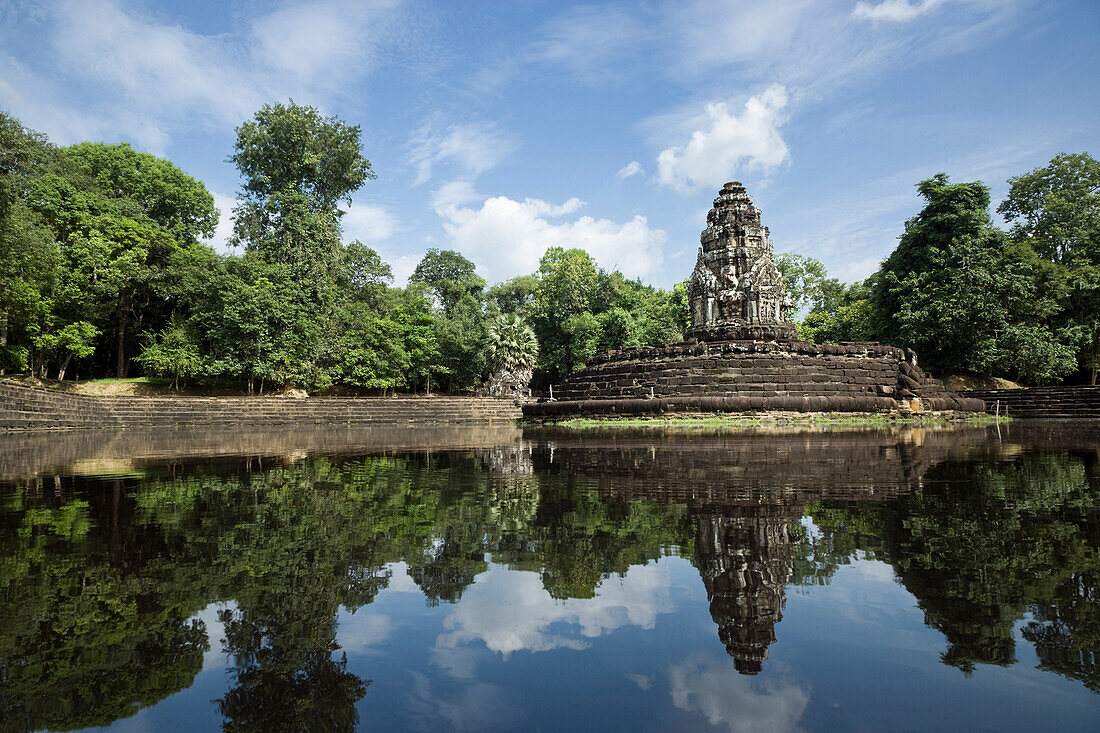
746, 493
745, 557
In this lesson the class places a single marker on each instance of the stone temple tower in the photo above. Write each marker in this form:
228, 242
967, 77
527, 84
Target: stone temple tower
736, 291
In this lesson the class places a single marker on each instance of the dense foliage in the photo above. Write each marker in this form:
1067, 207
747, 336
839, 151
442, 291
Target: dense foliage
102, 268
971, 298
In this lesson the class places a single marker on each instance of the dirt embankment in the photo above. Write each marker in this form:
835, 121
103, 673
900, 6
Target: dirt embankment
959, 382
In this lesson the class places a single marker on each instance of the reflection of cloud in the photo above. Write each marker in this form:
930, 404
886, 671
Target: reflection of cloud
459, 661
400, 582
360, 631
213, 657
475, 706
714, 689
512, 611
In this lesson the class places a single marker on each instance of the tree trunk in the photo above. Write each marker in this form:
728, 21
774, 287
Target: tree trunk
1093, 382
121, 363
64, 366
3, 334
125, 302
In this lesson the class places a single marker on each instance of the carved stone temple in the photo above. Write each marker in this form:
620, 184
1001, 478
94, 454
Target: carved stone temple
741, 352
736, 291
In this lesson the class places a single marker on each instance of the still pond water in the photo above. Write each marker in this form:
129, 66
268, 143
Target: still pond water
487, 579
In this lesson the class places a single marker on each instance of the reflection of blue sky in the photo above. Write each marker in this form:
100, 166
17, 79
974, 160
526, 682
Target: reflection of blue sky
474, 706
644, 654
511, 611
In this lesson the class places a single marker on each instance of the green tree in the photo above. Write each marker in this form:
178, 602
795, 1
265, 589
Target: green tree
560, 315
513, 296
954, 291
804, 279
846, 313
29, 258
174, 352
450, 276
147, 186
298, 166
1056, 209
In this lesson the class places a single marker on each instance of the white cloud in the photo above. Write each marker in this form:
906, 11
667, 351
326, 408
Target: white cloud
475, 147
224, 230
114, 70
592, 42
508, 237
723, 143
402, 267
710, 33
368, 223
455, 193
632, 168
806, 45
512, 612
894, 10
313, 41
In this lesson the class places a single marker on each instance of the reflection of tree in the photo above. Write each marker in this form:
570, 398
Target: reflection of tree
984, 541
983, 544
1066, 632
94, 627
101, 580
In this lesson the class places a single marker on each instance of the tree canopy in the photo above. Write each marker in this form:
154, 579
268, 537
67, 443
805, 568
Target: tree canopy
103, 269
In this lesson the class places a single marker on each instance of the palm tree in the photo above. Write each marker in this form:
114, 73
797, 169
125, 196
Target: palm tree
512, 351
512, 343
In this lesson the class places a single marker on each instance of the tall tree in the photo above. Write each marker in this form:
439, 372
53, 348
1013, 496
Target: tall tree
957, 294
28, 257
119, 219
148, 186
450, 276
1056, 211
298, 166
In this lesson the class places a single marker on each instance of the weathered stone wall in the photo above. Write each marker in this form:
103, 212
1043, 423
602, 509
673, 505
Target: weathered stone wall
24, 407
745, 376
1045, 402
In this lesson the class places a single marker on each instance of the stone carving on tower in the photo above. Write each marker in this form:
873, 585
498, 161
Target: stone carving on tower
736, 291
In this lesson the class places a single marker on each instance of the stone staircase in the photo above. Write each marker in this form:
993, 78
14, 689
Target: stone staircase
1044, 402
26, 407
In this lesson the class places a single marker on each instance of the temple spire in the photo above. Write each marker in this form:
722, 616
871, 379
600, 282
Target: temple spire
736, 291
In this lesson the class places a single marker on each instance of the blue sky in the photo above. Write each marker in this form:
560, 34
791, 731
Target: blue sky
499, 129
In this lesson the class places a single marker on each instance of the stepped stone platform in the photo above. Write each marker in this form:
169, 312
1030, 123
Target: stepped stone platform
26, 407
740, 352
751, 376
1042, 402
